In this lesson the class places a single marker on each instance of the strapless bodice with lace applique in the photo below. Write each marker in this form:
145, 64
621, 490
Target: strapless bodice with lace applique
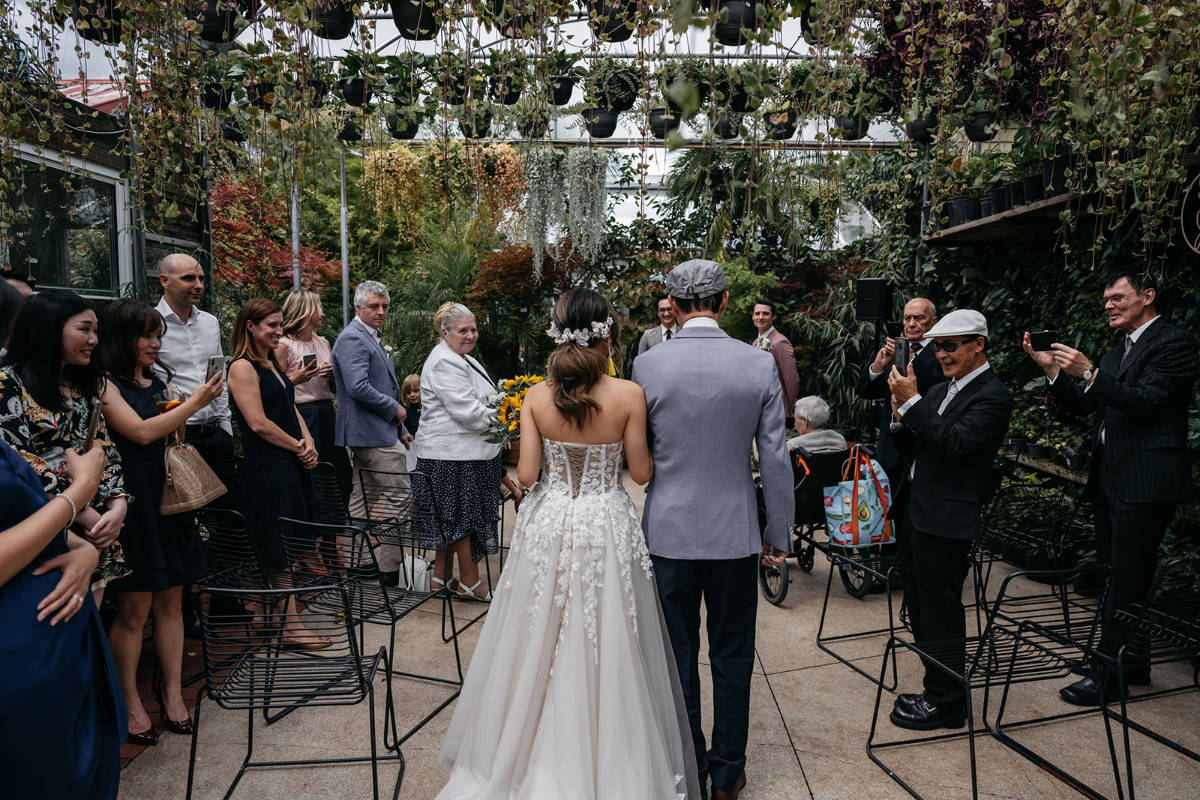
581, 469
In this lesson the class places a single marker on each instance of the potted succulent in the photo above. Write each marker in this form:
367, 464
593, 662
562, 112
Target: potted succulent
735, 22
354, 81
404, 76
565, 72
685, 83
416, 19
750, 83
612, 84
612, 20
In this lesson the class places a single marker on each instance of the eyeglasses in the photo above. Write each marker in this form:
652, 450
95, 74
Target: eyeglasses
666, 310
950, 347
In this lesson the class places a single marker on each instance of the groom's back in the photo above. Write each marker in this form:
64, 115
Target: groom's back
706, 395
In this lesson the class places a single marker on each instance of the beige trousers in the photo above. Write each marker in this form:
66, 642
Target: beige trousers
386, 459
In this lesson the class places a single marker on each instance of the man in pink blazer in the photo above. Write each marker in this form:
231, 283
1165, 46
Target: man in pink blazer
763, 315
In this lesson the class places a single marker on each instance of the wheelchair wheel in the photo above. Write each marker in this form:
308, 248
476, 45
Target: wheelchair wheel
856, 579
774, 582
806, 558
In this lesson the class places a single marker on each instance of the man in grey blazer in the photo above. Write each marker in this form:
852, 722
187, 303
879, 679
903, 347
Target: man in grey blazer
369, 411
709, 397
666, 328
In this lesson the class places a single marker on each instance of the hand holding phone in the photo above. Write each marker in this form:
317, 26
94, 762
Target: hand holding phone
93, 425
903, 351
308, 360
215, 364
1043, 340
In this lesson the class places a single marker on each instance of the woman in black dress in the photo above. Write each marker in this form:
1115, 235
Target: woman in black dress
164, 552
275, 440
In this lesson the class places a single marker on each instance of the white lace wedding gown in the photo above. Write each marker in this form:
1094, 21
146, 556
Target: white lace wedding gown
572, 693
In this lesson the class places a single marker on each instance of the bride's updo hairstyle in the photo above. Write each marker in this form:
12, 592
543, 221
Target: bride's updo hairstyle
574, 368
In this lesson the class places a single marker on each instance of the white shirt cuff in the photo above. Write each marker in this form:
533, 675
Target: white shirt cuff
871, 371
909, 403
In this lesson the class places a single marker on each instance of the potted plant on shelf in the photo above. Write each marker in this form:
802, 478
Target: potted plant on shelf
508, 70
662, 121
725, 124
979, 108
416, 19
356, 78
612, 20
735, 22
404, 76
564, 71
685, 84
750, 83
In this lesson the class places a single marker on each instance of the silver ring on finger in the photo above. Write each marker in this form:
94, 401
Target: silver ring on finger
77, 598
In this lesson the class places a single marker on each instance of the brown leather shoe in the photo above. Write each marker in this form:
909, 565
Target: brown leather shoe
722, 794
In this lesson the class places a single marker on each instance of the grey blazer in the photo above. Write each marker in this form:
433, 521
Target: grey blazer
652, 337
367, 390
709, 396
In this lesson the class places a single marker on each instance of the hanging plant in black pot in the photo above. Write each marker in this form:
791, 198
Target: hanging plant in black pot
851, 128
611, 20
921, 129
601, 123
334, 19
350, 131
404, 123
561, 88
215, 96
686, 82
217, 19
416, 19
725, 124
475, 124
819, 26
980, 126
506, 89
662, 121
97, 20
533, 122
612, 84
261, 94
780, 125
231, 130
318, 89
513, 17
736, 22
355, 90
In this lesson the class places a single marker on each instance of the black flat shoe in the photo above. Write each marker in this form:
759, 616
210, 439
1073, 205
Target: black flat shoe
920, 715
146, 738
1089, 692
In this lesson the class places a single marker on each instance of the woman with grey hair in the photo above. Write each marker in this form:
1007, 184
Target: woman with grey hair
812, 414
463, 468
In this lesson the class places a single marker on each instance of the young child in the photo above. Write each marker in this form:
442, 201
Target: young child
410, 395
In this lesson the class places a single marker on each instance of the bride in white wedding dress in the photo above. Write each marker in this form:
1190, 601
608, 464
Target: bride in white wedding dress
572, 693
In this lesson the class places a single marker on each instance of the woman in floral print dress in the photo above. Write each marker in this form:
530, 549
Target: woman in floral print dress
48, 385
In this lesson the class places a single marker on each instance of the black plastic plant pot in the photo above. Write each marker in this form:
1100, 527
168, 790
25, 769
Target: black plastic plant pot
1054, 175
334, 19
416, 20
742, 101
403, 126
723, 127
621, 103
1034, 190
600, 123
852, 128
404, 93
231, 130
506, 90
261, 94
962, 209
739, 23
533, 127
999, 199
609, 19
355, 91
562, 87
476, 126
985, 206
350, 131
921, 129
980, 126
217, 18
97, 20
511, 23
662, 121
319, 90
1016, 194
780, 125
215, 96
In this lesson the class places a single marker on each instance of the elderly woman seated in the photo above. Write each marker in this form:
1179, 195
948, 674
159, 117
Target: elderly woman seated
812, 414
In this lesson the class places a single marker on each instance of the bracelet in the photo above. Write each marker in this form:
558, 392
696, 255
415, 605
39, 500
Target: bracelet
74, 510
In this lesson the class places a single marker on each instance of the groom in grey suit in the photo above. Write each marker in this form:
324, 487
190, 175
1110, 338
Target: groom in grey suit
709, 397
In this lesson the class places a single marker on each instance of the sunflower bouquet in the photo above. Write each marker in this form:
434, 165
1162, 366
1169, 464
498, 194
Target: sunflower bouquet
504, 426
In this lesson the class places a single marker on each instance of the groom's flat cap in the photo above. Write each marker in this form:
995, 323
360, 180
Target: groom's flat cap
694, 279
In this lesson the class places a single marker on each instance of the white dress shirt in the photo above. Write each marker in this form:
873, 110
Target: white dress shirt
701, 322
663, 329
186, 348
956, 386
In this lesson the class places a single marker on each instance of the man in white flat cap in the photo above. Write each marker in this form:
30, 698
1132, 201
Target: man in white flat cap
952, 433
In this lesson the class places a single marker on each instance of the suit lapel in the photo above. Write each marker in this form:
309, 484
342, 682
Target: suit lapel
1139, 349
974, 386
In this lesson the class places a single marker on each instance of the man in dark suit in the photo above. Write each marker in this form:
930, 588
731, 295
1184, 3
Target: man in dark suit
919, 317
1138, 395
952, 432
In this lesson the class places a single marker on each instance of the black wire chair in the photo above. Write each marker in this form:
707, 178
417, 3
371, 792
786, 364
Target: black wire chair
370, 599
1034, 630
234, 561
251, 663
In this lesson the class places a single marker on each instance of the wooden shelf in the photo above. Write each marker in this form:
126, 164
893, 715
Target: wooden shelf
1017, 221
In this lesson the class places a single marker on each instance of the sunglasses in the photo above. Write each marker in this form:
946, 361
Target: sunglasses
950, 347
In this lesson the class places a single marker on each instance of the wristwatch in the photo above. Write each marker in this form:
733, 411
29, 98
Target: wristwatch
1087, 375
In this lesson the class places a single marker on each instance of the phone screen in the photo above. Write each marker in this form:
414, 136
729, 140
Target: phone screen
1042, 340
900, 360
309, 360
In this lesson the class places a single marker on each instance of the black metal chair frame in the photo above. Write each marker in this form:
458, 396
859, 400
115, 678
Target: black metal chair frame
247, 667
1002, 653
370, 599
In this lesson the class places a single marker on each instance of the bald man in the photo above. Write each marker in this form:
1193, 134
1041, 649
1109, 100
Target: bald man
919, 316
190, 338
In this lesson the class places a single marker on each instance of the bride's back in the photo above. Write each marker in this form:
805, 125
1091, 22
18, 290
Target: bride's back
614, 399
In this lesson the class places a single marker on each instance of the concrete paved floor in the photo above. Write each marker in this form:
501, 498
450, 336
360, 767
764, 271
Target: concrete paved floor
809, 720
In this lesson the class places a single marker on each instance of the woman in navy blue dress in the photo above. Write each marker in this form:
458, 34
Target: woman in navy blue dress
63, 717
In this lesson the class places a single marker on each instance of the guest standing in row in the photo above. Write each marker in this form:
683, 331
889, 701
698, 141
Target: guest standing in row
462, 467
49, 391
276, 442
64, 717
164, 552
778, 345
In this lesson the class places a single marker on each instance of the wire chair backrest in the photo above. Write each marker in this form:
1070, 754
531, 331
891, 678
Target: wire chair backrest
253, 655
400, 507
330, 501
233, 558
322, 553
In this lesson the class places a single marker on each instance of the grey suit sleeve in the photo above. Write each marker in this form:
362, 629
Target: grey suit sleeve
644, 342
774, 466
354, 363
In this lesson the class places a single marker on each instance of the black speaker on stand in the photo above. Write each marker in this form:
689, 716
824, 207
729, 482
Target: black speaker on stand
872, 300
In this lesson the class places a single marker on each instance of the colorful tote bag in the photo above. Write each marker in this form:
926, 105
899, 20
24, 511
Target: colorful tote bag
856, 508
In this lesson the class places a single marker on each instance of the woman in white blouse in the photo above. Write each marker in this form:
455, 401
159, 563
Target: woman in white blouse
463, 468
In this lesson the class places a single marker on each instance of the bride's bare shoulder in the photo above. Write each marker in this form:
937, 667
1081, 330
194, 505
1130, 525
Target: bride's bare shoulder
626, 390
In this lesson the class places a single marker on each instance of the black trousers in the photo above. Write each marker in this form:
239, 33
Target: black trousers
320, 418
935, 568
216, 448
729, 589
1127, 540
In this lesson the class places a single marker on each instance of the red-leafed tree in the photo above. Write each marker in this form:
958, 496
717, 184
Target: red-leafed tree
252, 251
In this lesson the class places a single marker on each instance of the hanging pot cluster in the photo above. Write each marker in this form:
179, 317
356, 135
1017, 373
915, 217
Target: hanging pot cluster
403, 125
601, 123
740, 20
780, 125
334, 19
510, 18
662, 121
97, 20
416, 19
218, 19
611, 20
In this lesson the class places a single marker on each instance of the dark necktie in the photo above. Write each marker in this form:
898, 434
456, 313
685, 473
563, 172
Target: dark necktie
1128, 347
668, 334
916, 349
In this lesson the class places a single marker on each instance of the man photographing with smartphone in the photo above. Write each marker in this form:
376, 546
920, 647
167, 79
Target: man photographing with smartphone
1138, 395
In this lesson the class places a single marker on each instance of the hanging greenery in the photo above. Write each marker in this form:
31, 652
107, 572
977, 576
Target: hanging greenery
543, 199
587, 200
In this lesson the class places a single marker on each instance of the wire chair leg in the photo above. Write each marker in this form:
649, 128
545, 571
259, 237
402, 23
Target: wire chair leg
195, 738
